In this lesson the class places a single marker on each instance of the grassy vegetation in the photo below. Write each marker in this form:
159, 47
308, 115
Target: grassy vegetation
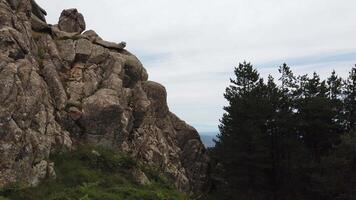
95, 174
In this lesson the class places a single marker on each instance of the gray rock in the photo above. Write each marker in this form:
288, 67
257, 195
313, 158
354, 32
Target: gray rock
92, 35
40, 171
61, 86
71, 21
13, 4
99, 54
12, 39
110, 45
157, 95
39, 12
36, 10
75, 91
6, 15
66, 49
140, 177
75, 113
82, 50
62, 35
39, 25
56, 88
91, 80
101, 114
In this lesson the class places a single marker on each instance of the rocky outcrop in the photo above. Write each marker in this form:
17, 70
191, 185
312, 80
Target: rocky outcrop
61, 88
71, 21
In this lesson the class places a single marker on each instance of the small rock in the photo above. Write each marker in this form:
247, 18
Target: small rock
110, 45
96, 153
140, 177
75, 113
51, 173
40, 172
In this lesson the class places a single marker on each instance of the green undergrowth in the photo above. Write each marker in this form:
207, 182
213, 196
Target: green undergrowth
95, 174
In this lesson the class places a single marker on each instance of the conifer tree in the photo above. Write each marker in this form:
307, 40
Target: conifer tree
350, 100
242, 144
294, 140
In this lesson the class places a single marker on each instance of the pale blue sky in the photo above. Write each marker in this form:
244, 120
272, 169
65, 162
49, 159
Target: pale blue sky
191, 46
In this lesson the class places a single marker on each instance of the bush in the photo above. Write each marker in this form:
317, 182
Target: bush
92, 173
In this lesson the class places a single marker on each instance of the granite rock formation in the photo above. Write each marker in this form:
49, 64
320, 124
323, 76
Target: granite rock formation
60, 87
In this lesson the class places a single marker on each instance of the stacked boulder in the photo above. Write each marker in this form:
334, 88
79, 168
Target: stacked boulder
61, 87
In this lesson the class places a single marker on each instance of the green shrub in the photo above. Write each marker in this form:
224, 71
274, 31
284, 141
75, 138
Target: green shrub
153, 174
92, 173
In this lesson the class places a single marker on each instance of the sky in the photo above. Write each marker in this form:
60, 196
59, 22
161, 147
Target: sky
192, 46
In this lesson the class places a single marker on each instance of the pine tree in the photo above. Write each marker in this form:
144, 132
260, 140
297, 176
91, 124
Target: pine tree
288, 141
334, 86
291, 150
350, 100
242, 146
315, 114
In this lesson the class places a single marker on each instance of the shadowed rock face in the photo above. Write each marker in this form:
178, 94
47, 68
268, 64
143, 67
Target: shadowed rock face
61, 88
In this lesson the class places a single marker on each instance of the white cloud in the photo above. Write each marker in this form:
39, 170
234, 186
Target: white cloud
197, 42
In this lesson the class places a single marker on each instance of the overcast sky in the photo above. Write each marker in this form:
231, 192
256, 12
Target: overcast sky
191, 46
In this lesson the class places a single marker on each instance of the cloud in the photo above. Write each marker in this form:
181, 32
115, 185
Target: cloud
192, 46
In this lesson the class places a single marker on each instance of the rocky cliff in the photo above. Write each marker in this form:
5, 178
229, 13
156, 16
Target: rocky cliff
60, 87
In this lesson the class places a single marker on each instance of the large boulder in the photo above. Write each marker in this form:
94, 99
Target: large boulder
101, 111
157, 95
71, 21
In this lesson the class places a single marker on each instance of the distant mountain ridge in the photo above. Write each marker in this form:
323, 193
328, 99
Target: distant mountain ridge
208, 139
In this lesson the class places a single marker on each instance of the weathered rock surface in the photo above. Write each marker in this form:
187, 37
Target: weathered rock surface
71, 21
60, 88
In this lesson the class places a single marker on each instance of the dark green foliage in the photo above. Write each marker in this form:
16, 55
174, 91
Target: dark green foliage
340, 169
95, 174
286, 141
350, 100
243, 146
